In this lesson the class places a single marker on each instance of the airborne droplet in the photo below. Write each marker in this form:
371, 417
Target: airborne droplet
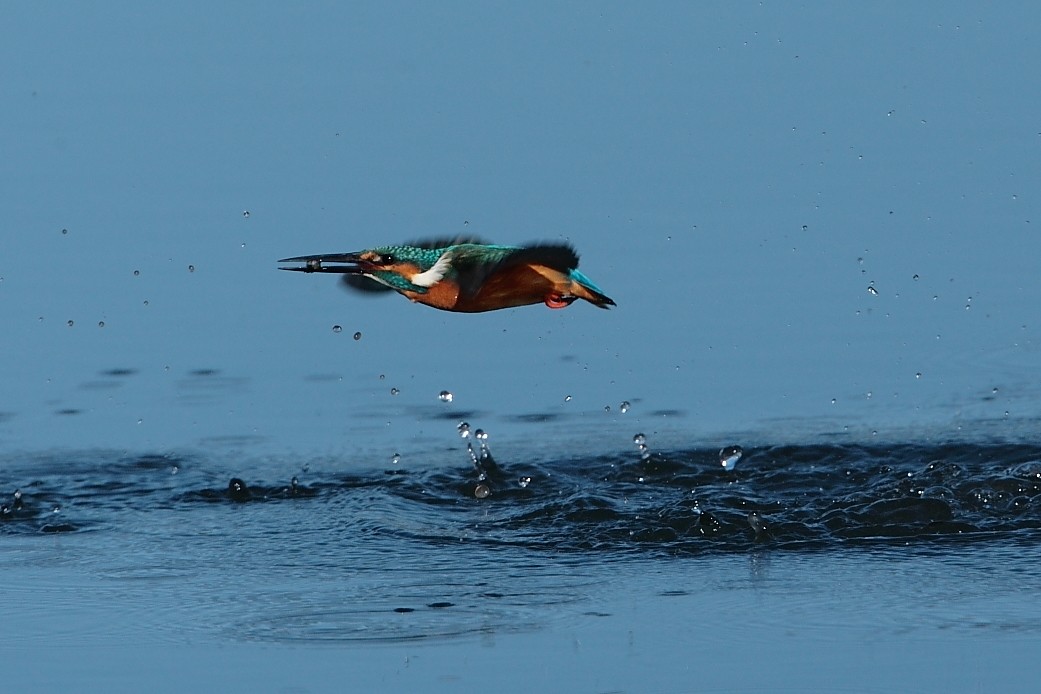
641, 445
624, 407
872, 291
445, 396
463, 429
357, 336
337, 329
729, 456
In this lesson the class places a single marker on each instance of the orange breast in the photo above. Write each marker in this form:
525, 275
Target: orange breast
443, 295
518, 285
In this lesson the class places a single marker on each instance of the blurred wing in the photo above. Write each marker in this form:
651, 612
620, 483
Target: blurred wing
364, 285
502, 268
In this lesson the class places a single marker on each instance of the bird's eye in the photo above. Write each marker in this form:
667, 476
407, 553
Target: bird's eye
386, 259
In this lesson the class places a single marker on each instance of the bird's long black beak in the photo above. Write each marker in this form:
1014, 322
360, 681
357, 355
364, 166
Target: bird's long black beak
316, 263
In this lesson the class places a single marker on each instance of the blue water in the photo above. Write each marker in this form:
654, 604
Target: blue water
653, 569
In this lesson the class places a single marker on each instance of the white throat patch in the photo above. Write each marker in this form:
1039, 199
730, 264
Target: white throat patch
429, 278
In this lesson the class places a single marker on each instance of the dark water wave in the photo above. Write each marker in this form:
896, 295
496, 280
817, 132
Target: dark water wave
674, 502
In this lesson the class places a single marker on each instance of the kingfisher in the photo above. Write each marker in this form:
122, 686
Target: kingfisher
464, 275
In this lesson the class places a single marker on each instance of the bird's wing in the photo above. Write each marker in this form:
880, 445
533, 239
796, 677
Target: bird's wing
446, 241
366, 285
475, 266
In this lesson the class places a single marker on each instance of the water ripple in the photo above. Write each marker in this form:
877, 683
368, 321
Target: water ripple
672, 501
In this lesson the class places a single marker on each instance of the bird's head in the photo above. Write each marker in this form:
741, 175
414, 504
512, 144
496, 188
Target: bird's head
404, 268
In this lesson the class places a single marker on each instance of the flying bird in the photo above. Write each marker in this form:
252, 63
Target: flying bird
466, 276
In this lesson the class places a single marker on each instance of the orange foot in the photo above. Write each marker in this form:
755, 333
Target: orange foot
558, 301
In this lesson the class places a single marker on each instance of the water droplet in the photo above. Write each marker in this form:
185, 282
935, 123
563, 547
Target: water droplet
101, 324
641, 444
445, 396
463, 429
395, 459
70, 323
357, 336
482, 491
729, 456
833, 401
872, 291
137, 273
915, 278
624, 407
337, 329
607, 408
394, 391
524, 482
918, 375
481, 435
64, 231
146, 302
191, 268
245, 213
567, 398
383, 376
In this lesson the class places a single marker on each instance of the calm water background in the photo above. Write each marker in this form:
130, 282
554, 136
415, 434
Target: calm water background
818, 223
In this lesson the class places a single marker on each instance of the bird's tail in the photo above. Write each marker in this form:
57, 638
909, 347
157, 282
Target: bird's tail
584, 288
